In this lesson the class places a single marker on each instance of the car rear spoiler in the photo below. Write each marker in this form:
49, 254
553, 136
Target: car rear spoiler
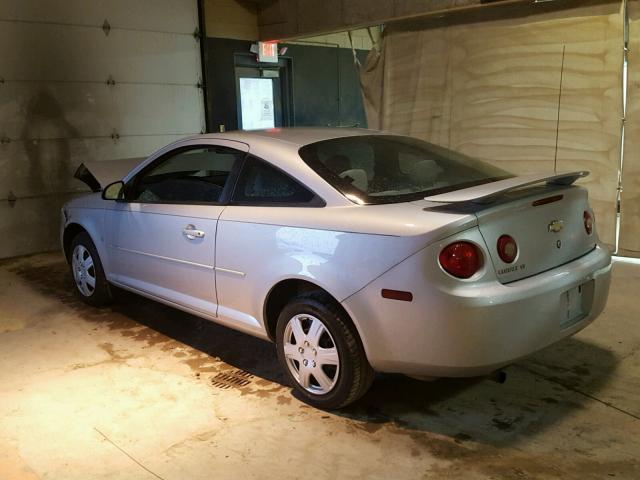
488, 192
98, 174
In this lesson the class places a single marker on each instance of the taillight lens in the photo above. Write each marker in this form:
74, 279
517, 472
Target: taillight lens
461, 259
588, 222
507, 248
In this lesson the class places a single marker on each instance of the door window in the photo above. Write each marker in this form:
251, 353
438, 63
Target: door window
261, 183
196, 175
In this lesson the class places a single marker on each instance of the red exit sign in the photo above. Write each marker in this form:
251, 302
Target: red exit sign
268, 52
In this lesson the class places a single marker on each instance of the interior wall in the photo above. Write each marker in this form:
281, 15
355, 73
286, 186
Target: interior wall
491, 89
326, 90
630, 205
291, 19
86, 81
325, 85
363, 39
236, 19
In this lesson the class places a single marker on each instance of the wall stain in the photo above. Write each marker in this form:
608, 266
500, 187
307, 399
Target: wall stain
46, 137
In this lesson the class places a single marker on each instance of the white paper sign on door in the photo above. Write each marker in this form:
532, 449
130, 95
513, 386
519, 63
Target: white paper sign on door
256, 103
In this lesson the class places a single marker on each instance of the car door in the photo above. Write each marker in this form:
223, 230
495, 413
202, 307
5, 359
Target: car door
251, 239
161, 238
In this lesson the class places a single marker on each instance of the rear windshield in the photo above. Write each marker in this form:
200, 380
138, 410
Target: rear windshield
390, 169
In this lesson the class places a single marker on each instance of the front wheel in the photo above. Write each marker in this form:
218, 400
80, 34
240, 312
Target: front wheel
88, 275
319, 349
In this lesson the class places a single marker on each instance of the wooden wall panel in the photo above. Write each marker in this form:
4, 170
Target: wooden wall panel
491, 90
290, 19
591, 113
630, 208
231, 19
417, 90
360, 38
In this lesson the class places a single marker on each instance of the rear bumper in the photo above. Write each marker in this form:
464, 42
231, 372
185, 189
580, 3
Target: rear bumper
458, 328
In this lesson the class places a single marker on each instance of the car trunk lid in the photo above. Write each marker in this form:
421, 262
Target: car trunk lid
548, 228
546, 221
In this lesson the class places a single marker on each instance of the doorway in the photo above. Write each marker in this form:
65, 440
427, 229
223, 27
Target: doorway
263, 94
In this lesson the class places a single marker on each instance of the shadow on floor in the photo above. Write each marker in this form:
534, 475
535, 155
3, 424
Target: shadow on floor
533, 399
479, 409
165, 325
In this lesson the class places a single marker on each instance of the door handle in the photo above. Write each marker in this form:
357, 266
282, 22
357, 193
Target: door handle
192, 233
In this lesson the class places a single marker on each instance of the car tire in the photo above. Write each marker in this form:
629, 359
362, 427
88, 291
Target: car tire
86, 270
344, 379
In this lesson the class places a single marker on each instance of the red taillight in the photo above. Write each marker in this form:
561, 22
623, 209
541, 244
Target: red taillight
461, 259
588, 222
507, 248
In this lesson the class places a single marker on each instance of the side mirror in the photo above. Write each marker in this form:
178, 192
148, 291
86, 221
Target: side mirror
114, 191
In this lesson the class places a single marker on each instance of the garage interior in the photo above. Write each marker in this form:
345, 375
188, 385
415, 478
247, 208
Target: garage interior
141, 390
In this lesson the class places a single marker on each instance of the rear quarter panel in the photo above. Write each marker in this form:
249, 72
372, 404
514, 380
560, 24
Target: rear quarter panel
262, 244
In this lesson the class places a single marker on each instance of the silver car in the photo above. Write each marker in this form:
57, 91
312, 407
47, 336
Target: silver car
354, 251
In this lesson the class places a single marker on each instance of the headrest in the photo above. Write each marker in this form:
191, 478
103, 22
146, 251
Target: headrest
359, 177
338, 163
425, 172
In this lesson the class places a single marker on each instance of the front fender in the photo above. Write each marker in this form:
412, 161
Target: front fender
87, 213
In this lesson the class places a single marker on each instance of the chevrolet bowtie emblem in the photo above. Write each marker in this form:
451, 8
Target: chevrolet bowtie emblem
556, 226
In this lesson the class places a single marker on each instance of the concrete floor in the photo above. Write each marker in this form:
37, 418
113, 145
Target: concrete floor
142, 391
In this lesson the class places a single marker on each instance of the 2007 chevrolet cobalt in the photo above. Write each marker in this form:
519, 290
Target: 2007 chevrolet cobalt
354, 251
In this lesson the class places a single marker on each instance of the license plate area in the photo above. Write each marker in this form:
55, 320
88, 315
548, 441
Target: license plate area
576, 304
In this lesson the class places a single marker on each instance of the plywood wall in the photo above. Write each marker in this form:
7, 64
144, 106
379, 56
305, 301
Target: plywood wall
231, 19
630, 208
286, 20
491, 90
361, 38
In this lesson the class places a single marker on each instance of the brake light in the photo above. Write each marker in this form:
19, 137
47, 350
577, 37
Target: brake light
588, 222
545, 201
507, 248
461, 259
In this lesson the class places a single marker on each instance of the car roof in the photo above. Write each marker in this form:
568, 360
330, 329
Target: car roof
279, 146
298, 136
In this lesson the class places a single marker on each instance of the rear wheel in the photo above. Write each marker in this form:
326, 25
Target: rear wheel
319, 349
91, 284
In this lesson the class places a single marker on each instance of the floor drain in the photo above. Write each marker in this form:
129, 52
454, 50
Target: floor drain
226, 380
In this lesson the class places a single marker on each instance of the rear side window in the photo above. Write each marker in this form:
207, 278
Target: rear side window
262, 184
